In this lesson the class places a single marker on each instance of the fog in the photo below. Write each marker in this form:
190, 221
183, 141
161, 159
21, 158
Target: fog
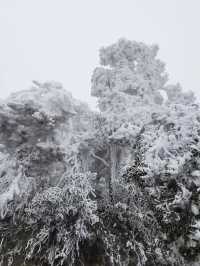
59, 40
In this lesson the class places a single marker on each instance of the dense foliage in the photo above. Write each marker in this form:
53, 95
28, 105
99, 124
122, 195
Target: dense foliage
115, 187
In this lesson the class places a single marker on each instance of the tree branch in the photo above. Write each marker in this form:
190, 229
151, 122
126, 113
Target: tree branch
100, 159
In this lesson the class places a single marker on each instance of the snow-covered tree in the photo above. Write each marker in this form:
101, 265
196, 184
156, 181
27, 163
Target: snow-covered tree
119, 186
133, 97
43, 184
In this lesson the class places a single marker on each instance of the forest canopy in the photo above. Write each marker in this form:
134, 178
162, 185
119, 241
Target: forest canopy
116, 186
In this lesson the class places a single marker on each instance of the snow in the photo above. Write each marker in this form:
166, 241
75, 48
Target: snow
142, 123
48, 98
9, 194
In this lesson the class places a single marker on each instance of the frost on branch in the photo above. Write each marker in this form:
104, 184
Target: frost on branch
30, 155
119, 186
67, 215
41, 186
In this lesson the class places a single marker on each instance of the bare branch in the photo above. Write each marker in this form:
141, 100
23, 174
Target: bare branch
100, 159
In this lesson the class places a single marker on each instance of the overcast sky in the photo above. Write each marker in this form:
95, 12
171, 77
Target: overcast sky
59, 39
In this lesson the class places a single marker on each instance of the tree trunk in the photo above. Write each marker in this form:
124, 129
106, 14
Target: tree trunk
85, 161
113, 169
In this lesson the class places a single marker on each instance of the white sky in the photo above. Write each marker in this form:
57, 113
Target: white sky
59, 39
